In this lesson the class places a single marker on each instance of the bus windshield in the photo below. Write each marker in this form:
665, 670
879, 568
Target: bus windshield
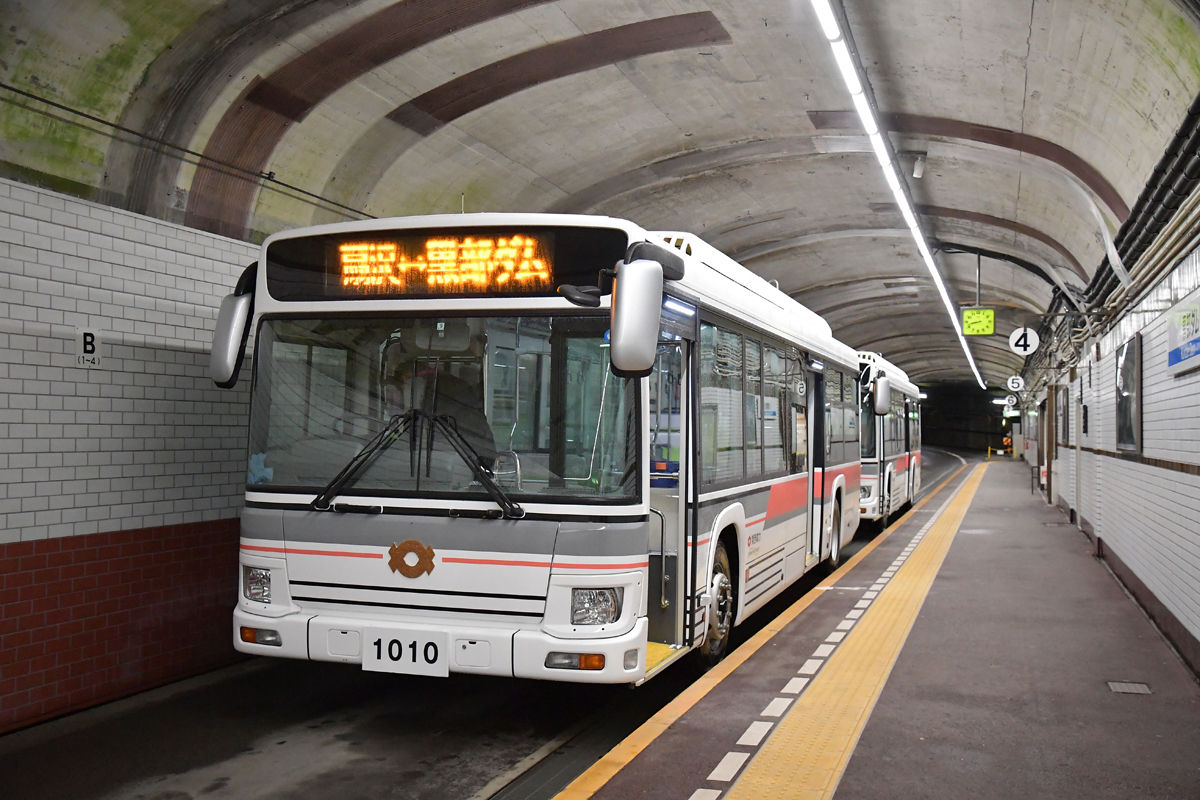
532, 396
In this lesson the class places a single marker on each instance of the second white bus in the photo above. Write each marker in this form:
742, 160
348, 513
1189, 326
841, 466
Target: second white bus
891, 442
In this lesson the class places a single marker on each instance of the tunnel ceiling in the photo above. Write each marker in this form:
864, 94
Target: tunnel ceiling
1038, 124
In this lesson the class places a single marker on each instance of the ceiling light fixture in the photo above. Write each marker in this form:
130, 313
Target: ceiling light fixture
854, 84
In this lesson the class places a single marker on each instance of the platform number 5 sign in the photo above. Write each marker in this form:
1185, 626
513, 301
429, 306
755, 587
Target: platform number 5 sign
1023, 341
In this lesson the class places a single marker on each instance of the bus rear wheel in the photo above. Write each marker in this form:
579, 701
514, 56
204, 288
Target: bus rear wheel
720, 611
835, 540
885, 501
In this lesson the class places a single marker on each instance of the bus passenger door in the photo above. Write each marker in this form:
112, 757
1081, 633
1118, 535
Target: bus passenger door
670, 499
818, 449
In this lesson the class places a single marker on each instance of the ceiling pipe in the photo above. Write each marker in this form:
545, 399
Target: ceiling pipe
1174, 177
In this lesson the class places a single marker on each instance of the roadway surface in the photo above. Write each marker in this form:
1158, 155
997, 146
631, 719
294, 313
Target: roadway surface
281, 729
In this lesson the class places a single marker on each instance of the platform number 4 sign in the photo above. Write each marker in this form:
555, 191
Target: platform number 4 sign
1023, 341
87, 348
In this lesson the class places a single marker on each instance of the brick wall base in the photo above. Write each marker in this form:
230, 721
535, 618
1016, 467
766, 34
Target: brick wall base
88, 619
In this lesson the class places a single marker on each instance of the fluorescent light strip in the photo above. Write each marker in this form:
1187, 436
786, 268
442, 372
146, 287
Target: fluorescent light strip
845, 63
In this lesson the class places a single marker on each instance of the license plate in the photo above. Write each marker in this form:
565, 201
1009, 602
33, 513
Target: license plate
406, 651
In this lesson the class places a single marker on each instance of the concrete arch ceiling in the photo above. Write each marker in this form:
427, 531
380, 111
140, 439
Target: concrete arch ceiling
1039, 121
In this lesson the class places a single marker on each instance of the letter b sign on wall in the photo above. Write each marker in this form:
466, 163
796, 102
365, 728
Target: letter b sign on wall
87, 348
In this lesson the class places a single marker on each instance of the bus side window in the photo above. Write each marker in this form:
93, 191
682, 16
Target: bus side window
917, 426
753, 409
897, 420
850, 415
797, 390
827, 428
799, 436
721, 403
907, 427
837, 433
774, 405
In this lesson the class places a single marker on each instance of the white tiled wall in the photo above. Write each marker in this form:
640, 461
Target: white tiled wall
1148, 516
147, 439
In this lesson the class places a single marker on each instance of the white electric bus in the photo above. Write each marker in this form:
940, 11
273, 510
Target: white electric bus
532, 445
891, 438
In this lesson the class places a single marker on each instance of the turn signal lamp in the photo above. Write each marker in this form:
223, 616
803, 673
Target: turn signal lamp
262, 636
574, 661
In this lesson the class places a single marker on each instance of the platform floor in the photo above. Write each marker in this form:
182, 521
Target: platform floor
967, 652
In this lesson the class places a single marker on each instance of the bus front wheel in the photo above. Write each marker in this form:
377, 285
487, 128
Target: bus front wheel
720, 610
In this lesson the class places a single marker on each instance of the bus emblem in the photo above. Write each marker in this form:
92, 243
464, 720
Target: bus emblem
399, 552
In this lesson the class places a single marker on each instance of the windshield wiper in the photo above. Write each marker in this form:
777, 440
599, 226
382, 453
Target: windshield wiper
449, 428
395, 428
391, 433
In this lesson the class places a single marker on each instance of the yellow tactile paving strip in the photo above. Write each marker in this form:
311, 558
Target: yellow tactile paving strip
807, 753
616, 759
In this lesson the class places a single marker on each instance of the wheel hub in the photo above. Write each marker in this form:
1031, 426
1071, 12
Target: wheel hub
721, 611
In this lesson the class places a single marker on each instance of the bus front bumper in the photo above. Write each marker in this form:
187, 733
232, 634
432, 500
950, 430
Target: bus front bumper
488, 650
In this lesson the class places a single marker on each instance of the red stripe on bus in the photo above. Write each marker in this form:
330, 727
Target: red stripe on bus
786, 497
294, 551
494, 561
756, 520
703, 542
559, 564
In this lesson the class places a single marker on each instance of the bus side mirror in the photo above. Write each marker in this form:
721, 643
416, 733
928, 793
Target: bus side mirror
232, 331
636, 314
672, 263
883, 396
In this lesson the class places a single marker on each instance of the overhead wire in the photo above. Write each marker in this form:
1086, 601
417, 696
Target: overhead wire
262, 177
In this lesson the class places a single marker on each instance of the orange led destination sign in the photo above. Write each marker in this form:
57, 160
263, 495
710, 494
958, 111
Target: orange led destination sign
510, 264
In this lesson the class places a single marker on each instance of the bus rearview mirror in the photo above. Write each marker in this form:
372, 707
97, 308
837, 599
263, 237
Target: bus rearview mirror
233, 330
636, 314
883, 396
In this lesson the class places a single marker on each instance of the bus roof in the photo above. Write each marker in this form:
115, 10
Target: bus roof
724, 282
897, 377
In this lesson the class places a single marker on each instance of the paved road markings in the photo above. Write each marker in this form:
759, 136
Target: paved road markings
728, 767
823, 650
705, 794
795, 685
755, 733
810, 747
845, 625
810, 667
855, 614
776, 707
836, 636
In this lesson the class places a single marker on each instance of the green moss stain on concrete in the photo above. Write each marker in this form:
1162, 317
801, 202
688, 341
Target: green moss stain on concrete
87, 54
1181, 45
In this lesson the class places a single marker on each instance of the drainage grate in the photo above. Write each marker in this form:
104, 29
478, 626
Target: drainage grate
1122, 687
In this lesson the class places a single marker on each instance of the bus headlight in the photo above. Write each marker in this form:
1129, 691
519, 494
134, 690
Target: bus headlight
256, 584
864, 492
595, 606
